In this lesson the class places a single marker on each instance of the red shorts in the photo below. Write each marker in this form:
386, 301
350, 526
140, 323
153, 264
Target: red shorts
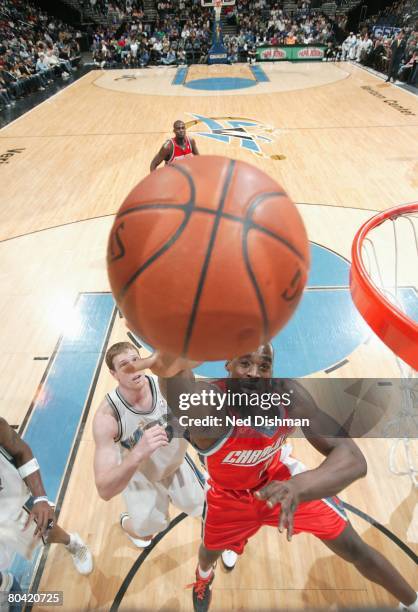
232, 517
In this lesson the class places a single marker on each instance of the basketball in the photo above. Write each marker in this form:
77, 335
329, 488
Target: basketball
167, 323
207, 258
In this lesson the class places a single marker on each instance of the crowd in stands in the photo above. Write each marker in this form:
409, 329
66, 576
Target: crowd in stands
394, 54
388, 42
261, 23
398, 14
34, 50
182, 33
119, 9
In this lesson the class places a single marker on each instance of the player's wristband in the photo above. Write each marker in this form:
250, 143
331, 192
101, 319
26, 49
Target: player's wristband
41, 498
28, 468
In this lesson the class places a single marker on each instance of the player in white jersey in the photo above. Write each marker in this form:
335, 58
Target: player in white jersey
134, 455
26, 515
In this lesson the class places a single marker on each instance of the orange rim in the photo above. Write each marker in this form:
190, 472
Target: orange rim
394, 328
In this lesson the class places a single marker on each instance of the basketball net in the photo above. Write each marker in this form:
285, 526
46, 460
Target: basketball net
218, 9
384, 286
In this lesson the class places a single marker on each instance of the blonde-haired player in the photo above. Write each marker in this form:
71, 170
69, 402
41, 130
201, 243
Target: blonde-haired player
134, 455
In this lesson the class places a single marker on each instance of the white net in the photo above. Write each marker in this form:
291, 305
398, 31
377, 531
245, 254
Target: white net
390, 255
218, 9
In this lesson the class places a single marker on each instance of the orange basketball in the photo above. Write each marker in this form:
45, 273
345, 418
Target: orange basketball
207, 258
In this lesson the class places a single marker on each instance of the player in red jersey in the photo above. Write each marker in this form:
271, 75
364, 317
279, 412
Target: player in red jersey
177, 148
254, 480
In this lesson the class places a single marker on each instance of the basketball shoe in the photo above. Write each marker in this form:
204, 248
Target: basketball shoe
202, 594
137, 541
81, 555
229, 559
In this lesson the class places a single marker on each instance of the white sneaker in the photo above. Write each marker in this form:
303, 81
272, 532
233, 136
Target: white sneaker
6, 582
137, 541
81, 555
229, 559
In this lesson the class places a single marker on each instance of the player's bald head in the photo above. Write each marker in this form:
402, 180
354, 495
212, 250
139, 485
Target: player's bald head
258, 363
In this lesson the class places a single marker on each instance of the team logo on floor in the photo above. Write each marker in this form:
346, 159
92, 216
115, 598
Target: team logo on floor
126, 77
251, 135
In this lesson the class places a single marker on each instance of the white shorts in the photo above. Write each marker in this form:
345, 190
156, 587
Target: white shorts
13, 539
147, 502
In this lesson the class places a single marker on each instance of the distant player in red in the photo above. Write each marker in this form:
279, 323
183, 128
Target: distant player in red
177, 148
254, 480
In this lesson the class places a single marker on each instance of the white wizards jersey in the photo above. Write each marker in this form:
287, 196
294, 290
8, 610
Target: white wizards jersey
165, 460
14, 494
13, 491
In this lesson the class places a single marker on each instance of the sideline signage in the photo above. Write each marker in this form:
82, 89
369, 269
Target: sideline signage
291, 53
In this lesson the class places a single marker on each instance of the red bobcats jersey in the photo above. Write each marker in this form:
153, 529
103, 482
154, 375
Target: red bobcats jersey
180, 153
245, 457
243, 461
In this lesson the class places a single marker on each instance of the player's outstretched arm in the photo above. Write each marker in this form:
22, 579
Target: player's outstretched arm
344, 463
194, 147
167, 366
163, 154
29, 470
178, 384
111, 476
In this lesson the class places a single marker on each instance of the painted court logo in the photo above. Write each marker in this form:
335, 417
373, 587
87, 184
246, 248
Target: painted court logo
249, 134
126, 77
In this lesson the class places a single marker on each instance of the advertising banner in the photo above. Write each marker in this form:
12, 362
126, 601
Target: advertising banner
291, 53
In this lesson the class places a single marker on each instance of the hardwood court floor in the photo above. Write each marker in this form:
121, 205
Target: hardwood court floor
348, 144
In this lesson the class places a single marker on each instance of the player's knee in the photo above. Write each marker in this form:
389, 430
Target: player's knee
366, 556
352, 553
356, 551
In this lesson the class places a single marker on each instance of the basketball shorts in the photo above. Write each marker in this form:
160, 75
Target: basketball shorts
148, 502
232, 517
14, 539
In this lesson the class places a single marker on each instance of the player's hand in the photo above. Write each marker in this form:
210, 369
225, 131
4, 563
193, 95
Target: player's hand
43, 515
167, 366
287, 495
151, 439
